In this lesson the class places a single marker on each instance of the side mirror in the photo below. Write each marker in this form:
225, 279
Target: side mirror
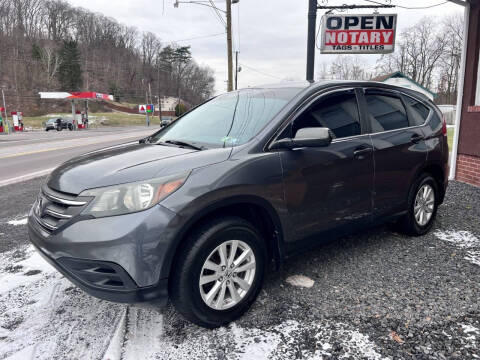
306, 137
144, 140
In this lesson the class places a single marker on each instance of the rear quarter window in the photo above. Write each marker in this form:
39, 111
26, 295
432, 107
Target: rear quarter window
419, 112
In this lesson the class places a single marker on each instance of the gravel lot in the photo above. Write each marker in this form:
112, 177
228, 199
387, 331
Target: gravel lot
375, 295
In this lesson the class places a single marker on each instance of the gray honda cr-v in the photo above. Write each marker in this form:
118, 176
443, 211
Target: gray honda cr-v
197, 211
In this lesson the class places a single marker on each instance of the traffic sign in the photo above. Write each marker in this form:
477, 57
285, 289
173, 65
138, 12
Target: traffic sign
150, 108
142, 109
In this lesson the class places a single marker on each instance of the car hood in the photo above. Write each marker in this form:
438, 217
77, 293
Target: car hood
128, 163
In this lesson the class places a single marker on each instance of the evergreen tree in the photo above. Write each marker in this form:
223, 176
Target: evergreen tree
70, 71
180, 109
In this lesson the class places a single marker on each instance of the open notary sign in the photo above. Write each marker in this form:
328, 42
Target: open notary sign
358, 34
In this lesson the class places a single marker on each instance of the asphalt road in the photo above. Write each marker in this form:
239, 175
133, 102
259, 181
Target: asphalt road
373, 295
27, 155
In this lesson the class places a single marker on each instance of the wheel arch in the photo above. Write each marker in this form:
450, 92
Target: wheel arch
254, 209
436, 171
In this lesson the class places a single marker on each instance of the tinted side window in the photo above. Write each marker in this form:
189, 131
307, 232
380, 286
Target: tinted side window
338, 112
419, 113
386, 112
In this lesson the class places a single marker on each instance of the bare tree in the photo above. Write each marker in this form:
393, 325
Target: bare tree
452, 32
344, 67
420, 49
112, 55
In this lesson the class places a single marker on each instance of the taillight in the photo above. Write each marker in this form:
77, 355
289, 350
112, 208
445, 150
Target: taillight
444, 126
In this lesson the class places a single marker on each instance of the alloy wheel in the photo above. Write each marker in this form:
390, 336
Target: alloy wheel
227, 274
424, 204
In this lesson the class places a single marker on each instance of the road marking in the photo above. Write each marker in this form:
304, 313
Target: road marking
62, 148
29, 176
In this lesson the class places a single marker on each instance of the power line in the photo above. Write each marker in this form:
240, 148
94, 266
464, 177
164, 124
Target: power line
411, 8
199, 37
214, 8
261, 72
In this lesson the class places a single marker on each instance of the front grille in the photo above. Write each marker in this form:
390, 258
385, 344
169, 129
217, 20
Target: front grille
54, 209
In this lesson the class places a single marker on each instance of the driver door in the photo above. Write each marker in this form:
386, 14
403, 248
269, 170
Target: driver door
329, 188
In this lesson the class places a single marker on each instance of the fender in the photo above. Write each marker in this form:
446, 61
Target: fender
278, 248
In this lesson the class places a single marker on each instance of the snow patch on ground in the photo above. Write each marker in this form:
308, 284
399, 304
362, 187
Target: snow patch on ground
470, 331
300, 280
18, 222
21, 272
288, 340
359, 345
114, 350
43, 316
143, 338
61, 321
462, 240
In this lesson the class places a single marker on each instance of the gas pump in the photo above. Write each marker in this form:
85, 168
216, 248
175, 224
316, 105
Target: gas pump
85, 119
17, 117
79, 119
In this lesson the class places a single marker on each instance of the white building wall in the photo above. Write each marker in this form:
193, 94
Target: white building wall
169, 102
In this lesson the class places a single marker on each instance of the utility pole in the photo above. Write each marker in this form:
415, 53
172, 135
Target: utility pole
150, 93
7, 129
146, 112
236, 70
228, 29
312, 20
159, 109
158, 97
229, 44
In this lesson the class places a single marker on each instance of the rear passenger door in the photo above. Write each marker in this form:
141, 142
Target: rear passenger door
398, 145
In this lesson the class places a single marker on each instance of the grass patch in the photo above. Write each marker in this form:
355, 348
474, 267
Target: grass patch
450, 134
96, 119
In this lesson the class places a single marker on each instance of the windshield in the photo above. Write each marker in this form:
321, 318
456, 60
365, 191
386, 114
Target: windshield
228, 120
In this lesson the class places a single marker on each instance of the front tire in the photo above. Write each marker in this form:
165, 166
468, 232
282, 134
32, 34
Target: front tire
422, 206
219, 272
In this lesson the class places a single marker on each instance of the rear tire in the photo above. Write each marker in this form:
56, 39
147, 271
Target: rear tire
208, 257
422, 207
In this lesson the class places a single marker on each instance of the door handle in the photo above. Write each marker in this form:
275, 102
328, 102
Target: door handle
416, 138
359, 153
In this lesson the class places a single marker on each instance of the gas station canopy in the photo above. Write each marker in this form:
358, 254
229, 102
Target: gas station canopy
85, 95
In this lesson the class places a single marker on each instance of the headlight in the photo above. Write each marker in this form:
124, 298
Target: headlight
132, 197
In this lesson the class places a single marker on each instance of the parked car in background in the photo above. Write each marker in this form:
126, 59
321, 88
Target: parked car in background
198, 210
52, 124
166, 122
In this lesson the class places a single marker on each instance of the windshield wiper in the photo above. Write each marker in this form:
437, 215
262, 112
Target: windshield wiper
184, 143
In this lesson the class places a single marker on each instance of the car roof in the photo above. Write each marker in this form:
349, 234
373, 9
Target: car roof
310, 87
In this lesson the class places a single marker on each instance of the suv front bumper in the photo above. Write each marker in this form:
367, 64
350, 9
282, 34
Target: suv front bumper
115, 258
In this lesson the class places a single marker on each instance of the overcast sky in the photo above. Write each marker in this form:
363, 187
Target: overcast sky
270, 34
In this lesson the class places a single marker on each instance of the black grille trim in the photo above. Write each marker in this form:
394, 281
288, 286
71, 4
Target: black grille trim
102, 274
54, 209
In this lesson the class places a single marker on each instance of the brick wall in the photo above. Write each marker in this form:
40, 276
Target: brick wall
468, 169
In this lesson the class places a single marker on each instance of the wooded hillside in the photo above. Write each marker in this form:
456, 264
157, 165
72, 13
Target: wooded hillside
48, 45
